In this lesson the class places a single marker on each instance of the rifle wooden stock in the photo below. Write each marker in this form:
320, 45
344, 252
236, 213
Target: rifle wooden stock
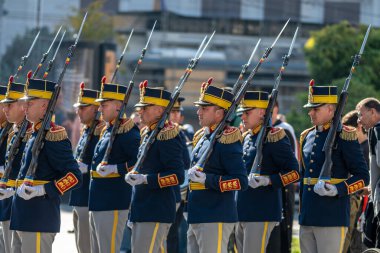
13, 151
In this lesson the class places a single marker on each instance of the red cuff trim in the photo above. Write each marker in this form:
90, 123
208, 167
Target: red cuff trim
290, 177
356, 186
167, 181
229, 185
66, 183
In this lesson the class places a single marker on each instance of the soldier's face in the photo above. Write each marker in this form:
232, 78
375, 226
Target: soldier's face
150, 114
14, 111
87, 113
109, 109
35, 109
175, 116
209, 115
365, 116
321, 114
253, 118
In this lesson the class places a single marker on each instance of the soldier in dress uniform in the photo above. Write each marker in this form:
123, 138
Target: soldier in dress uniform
259, 208
212, 212
153, 206
173, 236
369, 116
3, 124
87, 109
325, 206
36, 207
14, 113
110, 196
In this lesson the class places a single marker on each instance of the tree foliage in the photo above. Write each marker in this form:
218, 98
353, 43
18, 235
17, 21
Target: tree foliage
329, 54
98, 26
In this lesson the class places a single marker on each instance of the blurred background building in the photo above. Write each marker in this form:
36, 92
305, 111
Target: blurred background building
182, 24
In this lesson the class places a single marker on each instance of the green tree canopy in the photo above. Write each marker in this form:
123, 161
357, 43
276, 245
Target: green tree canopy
329, 54
98, 26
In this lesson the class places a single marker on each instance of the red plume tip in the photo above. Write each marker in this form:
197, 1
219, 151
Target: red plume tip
11, 78
29, 75
104, 79
145, 83
311, 83
81, 85
209, 81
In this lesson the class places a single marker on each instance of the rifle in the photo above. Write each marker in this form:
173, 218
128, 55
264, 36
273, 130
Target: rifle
231, 110
24, 125
44, 56
50, 64
121, 58
97, 115
336, 125
14, 149
239, 81
126, 99
177, 90
24, 59
268, 111
45, 126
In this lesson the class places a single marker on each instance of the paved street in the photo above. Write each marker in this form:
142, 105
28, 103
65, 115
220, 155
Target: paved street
65, 242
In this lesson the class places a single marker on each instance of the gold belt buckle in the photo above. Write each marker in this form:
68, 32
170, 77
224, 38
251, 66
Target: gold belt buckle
309, 181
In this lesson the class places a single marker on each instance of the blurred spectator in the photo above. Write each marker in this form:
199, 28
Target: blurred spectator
353, 241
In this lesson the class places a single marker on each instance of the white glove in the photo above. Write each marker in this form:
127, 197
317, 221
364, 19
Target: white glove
198, 176
106, 169
192, 170
6, 193
135, 179
2, 170
83, 167
27, 192
331, 190
255, 181
323, 189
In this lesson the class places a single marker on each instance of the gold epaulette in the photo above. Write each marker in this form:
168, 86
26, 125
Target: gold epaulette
348, 133
304, 134
125, 126
230, 135
170, 131
28, 134
99, 128
276, 134
197, 136
56, 133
